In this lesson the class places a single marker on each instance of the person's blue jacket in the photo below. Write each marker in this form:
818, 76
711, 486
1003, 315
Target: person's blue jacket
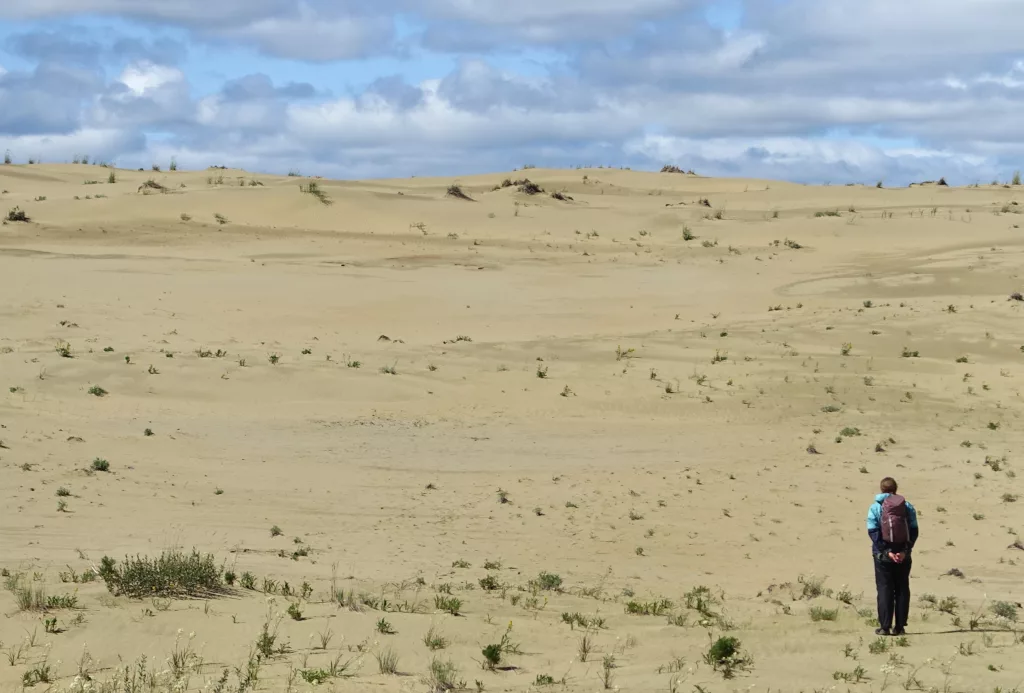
878, 546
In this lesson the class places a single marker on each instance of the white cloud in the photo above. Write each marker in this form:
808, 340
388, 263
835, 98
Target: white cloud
145, 78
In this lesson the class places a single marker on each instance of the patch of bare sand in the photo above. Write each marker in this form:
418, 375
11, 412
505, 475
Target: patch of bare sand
390, 363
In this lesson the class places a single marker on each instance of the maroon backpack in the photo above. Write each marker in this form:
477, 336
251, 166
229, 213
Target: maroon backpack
895, 523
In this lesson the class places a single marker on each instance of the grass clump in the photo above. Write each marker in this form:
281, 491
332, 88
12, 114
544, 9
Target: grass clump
443, 676
172, 573
100, 465
655, 608
97, 391
387, 661
819, 613
452, 605
28, 597
434, 640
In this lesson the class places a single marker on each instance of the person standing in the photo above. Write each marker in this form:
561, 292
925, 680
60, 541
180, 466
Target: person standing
892, 526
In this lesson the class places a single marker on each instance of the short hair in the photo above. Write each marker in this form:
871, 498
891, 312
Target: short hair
889, 485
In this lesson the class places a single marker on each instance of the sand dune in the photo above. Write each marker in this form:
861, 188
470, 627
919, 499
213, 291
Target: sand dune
642, 374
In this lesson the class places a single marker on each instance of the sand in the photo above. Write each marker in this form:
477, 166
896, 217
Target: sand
639, 467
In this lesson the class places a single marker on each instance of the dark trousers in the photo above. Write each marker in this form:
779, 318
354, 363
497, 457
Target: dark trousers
892, 580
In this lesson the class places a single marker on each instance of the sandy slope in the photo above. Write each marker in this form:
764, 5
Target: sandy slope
709, 458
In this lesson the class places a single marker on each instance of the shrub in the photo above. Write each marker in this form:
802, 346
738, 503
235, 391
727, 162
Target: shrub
17, 214
492, 656
548, 581
489, 583
455, 190
725, 655
97, 391
172, 573
313, 188
529, 187
101, 465
1007, 610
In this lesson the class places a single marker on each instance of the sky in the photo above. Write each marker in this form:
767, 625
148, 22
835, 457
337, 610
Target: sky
812, 91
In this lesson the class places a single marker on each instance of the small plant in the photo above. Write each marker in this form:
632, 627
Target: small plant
908, 354
64, 349
275, 531
542, 372
63, 492
294, 611
148, 432
220, 218
97, 391
846, 348
502, 498
101, 465
489, 583
390, 370
274, 359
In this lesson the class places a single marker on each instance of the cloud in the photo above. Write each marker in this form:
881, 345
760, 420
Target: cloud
801, 89
315, 37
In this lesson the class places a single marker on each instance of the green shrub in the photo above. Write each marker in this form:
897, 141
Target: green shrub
548, 581
726, 655
172, 573
100, 465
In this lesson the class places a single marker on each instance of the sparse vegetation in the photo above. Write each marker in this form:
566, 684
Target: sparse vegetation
313, 188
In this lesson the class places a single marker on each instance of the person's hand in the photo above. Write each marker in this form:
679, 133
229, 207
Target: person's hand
895, 557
